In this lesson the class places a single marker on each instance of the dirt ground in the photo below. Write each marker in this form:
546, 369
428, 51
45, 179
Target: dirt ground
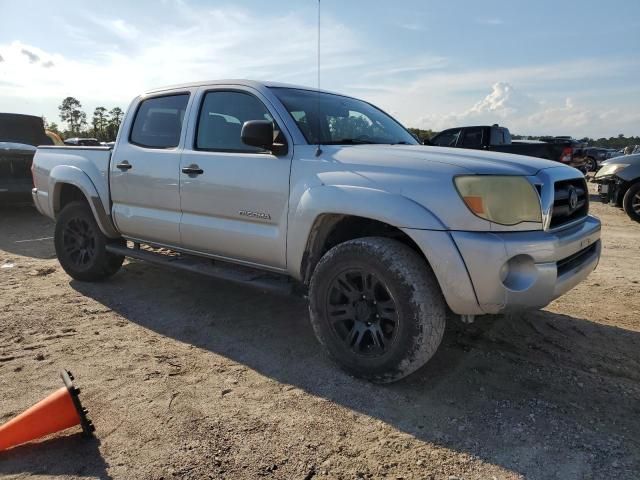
188, 377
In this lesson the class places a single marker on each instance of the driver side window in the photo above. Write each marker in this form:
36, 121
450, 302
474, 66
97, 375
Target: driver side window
221, 118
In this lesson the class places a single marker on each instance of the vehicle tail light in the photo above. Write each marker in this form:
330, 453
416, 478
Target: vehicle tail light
567, 155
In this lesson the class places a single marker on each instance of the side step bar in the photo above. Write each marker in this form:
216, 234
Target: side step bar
252, 277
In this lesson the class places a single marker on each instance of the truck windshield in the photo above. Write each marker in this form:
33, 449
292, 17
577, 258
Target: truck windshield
330, 119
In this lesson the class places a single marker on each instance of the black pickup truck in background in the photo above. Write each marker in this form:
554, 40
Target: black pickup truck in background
498, 139
19, 137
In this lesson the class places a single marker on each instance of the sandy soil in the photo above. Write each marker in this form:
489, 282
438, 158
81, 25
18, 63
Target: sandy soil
188, 377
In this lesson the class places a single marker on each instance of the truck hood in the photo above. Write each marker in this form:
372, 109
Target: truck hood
420, 157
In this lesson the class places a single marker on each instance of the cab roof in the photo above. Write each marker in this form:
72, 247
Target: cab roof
258, 85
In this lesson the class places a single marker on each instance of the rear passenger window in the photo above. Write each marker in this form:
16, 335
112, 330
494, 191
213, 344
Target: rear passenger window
158, 121
472, 138
500, 136
221, 118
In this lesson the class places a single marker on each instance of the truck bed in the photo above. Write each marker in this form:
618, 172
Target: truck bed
53, 162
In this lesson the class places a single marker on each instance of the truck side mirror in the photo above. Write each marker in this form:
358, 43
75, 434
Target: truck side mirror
258, 133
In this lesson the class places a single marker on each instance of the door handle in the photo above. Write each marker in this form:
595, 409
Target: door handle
124, 165
193, 169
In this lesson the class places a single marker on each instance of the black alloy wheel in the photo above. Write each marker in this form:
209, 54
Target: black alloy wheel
79, 240
81, 245
362, 312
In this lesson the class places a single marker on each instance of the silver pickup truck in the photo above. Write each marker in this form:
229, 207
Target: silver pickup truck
306, 188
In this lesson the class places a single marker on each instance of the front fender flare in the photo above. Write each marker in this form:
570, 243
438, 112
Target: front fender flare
392, 209
68, 174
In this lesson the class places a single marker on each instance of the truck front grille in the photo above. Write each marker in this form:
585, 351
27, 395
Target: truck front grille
571, 201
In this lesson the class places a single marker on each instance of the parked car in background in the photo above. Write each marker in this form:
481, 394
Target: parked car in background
498, 139
19, 137
619, 183
576, 145
616, 153
384, 234
595, 156
82, 142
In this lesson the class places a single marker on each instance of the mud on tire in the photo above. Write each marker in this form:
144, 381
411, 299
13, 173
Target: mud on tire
80, 244
377, 308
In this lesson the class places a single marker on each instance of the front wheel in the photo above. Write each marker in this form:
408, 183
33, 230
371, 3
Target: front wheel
377, 308
81, 246
631, 202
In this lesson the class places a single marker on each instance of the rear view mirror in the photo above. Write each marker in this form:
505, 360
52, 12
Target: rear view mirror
258, 133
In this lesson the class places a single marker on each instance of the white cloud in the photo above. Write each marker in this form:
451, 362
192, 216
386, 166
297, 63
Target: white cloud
503, 101
114, 60
450, 96
200, 43
524, 114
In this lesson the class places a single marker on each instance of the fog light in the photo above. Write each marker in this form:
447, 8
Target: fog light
519, 273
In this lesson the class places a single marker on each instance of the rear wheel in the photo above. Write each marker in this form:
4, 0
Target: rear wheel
81, 245
631, 202
377, 308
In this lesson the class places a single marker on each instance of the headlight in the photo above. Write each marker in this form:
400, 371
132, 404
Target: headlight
500, 199
611, 169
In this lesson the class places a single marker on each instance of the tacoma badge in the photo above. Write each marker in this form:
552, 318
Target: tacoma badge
247, 213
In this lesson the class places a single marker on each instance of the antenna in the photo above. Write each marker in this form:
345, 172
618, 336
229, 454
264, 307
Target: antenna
318, 150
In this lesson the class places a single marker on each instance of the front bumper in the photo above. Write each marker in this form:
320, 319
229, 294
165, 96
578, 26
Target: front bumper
610, 189
528, 269
487, 273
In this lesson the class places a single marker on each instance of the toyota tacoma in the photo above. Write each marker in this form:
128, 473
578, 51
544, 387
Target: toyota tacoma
320, 193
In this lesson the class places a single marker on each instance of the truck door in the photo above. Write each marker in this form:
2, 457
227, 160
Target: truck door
144, 170
234, 197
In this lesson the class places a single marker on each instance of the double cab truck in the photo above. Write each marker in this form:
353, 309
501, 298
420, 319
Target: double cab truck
314, 192
498, 139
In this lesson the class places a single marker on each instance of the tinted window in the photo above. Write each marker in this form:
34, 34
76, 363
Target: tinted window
221, 118
496, 136
336, 120
158, 122
448, 138
472, 138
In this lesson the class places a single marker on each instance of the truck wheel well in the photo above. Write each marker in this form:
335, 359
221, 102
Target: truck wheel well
68, 193
330, 230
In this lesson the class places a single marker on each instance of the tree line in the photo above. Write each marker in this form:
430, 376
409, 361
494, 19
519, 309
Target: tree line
103, 126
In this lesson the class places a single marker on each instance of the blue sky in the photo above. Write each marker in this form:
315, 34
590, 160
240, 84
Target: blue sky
543, 67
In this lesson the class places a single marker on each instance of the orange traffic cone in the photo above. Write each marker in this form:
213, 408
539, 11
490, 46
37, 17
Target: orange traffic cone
59, 411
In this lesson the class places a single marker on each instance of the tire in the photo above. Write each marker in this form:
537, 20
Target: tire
591, 165
377, 308
631, 202
81, 246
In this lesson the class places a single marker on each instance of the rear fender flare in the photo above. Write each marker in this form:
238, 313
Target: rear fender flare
67, 174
